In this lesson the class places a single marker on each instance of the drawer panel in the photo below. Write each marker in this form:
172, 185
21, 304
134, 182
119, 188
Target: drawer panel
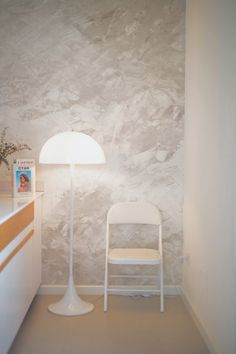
12, 227
16, 250
15, 294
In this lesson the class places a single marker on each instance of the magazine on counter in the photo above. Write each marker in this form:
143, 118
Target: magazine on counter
23, 177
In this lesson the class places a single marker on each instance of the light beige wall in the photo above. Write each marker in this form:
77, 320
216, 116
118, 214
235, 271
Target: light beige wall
210, 168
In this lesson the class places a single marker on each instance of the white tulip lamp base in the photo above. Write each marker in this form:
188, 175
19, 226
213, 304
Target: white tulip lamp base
71, 304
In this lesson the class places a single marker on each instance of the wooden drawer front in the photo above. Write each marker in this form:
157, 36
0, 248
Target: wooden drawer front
12, 227
16, 250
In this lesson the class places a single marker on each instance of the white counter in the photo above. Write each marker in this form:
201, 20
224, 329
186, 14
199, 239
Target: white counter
20, 262
11, 206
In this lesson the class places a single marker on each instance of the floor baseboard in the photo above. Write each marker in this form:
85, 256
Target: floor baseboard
200, 327
98, 290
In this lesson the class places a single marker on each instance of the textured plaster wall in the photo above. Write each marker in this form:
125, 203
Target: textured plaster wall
114, 70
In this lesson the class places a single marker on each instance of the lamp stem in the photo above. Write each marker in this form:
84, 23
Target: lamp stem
71, 304
72, 208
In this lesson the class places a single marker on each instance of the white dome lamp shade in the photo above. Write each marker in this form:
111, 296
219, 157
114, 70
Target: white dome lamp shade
71, 148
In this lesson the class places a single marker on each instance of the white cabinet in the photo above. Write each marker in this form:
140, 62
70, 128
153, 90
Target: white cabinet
20, 265
36, 245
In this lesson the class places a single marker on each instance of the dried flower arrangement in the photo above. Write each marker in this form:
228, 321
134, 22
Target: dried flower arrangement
7, 148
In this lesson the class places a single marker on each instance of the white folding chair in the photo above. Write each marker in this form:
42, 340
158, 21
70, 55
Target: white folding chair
134, 213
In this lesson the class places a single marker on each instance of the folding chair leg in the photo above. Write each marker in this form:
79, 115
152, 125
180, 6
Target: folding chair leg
105, 301
105, 288
162, 302
161, 289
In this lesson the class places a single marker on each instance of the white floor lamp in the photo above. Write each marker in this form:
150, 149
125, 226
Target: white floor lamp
71, 148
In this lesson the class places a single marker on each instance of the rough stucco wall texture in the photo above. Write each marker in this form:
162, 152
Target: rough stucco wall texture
114, 70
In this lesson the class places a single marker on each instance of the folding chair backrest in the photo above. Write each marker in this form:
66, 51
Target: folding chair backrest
134, 213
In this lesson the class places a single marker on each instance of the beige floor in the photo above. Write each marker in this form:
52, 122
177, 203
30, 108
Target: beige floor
133, 325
